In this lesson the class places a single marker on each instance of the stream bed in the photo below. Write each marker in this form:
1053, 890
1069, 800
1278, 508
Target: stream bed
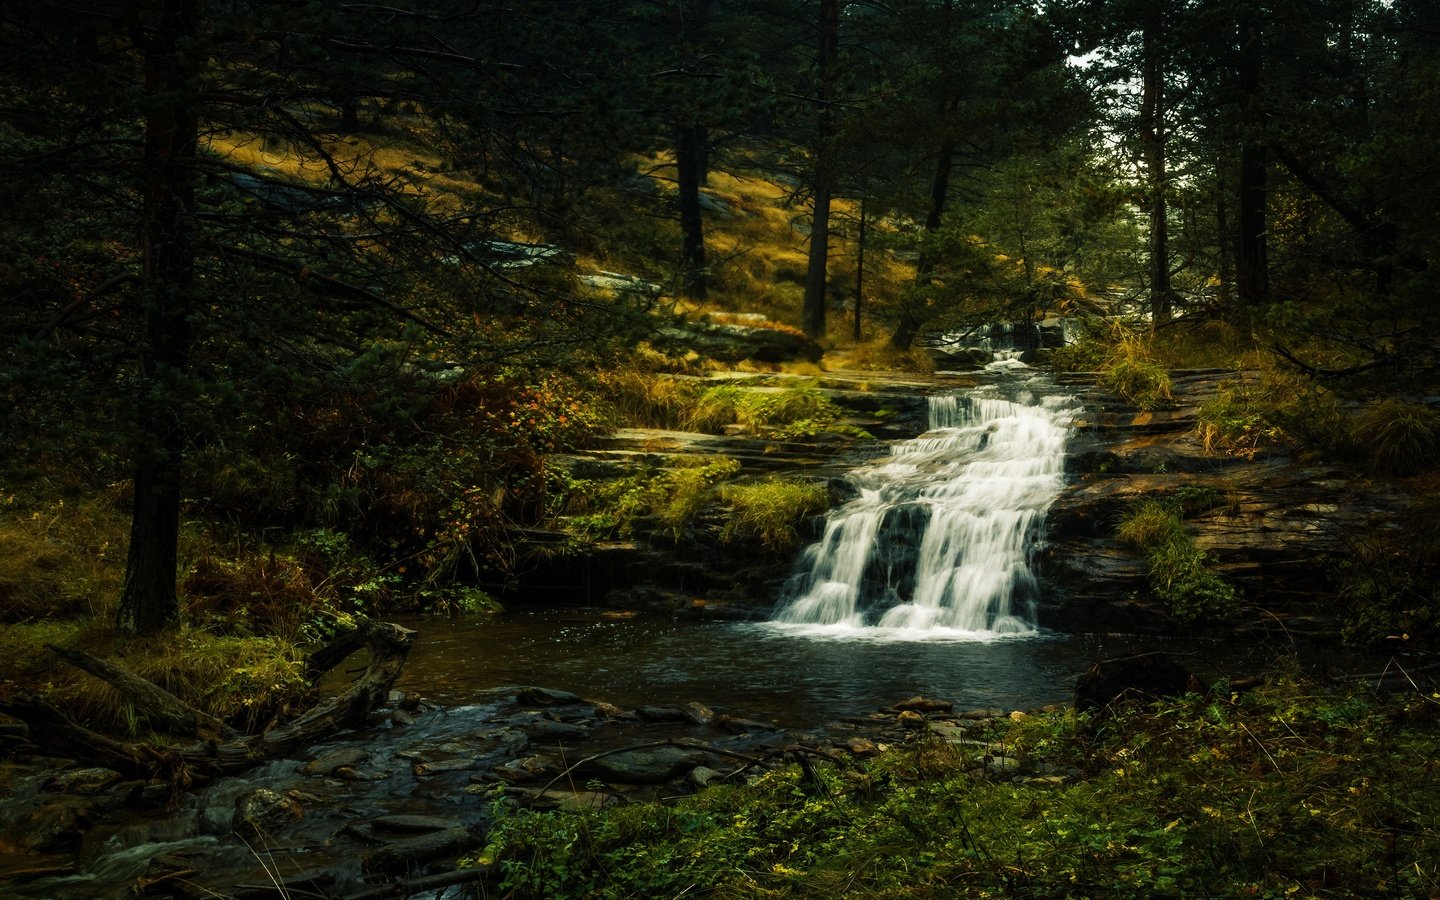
796, 678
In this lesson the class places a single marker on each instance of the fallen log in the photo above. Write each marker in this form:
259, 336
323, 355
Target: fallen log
221, 750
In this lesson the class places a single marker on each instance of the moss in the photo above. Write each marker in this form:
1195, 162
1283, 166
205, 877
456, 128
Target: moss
769, 510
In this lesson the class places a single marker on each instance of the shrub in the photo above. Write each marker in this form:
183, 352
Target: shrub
1178, 573
1139, 381
1399, 438
769, 510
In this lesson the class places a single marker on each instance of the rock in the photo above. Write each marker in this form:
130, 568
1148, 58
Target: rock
661, 714
925, 705
862, 747
698, 712
415, 824
642, 766
527, 768
53, 827
82, 781
1002, 765
436, 766
910, 719
403, 855
736, 725
978, 714
619, 283
1145, 675
701, 776
539, 696
260, 810
1019, 715
345, 757
548, 730
733, 343
611, 711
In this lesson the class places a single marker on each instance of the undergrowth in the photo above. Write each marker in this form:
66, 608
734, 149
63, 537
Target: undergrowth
1282, 792
769, 510
1179, 574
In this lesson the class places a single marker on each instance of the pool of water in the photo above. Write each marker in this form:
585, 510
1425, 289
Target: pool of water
796, 677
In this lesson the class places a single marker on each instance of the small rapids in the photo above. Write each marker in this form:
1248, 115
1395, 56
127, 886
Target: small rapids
938, 542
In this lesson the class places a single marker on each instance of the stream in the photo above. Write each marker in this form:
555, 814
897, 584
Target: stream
921, 585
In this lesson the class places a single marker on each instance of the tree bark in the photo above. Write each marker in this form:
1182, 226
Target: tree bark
223, 751
912, 311
1252, 274
1152, 146
148, 602
912, 308
859, 269
689, 141
813, 311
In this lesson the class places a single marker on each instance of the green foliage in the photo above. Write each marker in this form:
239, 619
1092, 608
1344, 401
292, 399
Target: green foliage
1398, 437
1178, 572
1139, 381
791, 413
673, 497
769, 510
60, 558
1275, 793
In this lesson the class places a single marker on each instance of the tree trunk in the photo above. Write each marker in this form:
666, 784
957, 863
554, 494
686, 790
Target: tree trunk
913, 313
1252, 273
148, 602
912, 310
1152, 144
859, 269
813, 311
689, 141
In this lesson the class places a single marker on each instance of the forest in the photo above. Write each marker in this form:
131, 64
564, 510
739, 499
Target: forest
327, 325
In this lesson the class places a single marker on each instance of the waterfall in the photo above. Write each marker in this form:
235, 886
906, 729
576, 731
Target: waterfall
938, 540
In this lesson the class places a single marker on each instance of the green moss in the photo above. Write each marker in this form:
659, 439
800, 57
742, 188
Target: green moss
1179, 575
769, 510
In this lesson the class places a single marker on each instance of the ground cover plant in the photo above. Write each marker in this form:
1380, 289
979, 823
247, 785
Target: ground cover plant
1293, 790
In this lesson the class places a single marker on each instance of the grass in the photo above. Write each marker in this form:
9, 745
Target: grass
1179, 575
1288, 791
769, 510
1399, 438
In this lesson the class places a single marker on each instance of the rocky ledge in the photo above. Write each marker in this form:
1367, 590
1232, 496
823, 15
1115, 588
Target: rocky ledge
1277, 532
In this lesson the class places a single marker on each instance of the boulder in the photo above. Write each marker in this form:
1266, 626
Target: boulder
407, 854
82, 781
642, 766
260, 810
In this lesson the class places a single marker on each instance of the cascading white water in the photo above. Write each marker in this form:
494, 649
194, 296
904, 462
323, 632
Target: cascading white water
937, 542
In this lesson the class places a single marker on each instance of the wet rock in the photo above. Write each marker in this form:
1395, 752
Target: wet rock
51, 827
980, 714
539, 696
925, 705
415, 824
949, 732
260, 810
573, 801
611, 711
403, 855
436, 766
698, 713
642, 766
82, 781
527, 768
700, 777
548, 731
736, 725
401, 718
862, 747
910, 719
661, 714
326, 763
